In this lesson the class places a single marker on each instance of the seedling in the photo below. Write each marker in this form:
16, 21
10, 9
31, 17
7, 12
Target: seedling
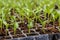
58, 14
30, 25
6, 24
54, 16
43, 25
15, 27
1, 24
15, 24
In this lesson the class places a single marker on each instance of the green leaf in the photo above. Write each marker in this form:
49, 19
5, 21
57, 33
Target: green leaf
16, 25
4, 22
44, 23
30, 25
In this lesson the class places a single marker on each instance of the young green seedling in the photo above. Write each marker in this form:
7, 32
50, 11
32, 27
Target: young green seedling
1, 24
43, 25
15, 24
58, 14
15, 27
30, 25
54, 16
7, 25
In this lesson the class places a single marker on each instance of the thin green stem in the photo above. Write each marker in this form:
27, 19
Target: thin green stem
59, 22
6, 30
29, 30
14, 31
53, 23
45, 16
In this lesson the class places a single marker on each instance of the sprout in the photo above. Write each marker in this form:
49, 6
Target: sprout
43, 25
15, 27
1, 24
6, 24
58, 14
54, 17
30, 25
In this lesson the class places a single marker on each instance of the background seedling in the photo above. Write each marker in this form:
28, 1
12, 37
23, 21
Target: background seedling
6, 24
